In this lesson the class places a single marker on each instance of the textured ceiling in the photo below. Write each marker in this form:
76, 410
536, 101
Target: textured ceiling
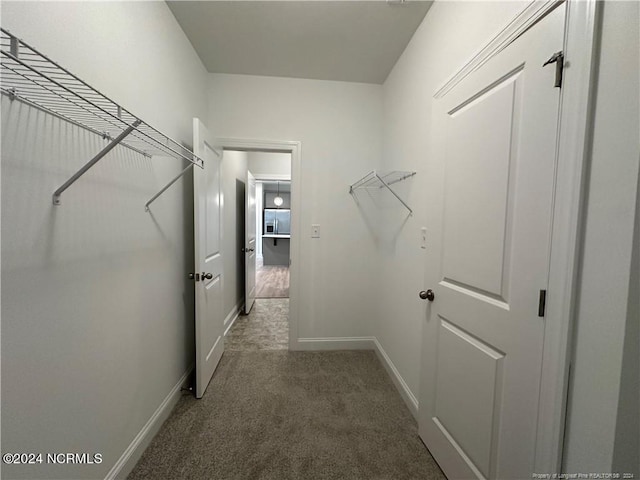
355, 41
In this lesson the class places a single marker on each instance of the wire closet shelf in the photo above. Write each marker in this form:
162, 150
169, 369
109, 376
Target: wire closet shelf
375, 180
33, 78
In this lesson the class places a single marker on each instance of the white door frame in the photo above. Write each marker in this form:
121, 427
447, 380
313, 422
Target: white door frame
580, 49
294, 148
573, 149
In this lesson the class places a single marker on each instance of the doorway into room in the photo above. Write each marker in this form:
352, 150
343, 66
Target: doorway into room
264, 209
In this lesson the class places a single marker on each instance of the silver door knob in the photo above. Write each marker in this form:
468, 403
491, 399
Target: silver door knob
427, 295
208, 276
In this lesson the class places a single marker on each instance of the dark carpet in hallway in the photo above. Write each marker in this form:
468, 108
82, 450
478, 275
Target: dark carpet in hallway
291, 415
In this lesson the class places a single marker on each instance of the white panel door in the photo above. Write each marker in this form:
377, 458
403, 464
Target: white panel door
483, 338
250, 244
207, 205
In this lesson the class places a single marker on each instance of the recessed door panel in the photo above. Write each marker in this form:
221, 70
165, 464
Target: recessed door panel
213, 201
469, 378
480, 138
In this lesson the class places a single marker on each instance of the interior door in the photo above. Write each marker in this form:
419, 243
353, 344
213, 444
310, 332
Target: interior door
483, 336
207, 205
250, 244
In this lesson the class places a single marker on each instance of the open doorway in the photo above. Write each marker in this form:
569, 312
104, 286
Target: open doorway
263, 217
273, 224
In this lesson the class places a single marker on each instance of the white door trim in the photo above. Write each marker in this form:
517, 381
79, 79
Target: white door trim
574, 136
294, 148
580, 50
505, 37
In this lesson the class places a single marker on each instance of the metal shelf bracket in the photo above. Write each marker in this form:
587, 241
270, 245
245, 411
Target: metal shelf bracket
163, 189
174, 180
93, 161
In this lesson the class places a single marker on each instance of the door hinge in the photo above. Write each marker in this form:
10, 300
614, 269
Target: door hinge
542, 301
558, 59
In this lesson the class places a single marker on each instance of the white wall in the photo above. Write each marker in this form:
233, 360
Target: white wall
607, 291
408, 95
270, 163
339, 125
233, 169
97, 315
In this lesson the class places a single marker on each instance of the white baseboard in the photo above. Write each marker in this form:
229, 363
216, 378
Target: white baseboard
335, 343
405, 392
233, 316
136, 448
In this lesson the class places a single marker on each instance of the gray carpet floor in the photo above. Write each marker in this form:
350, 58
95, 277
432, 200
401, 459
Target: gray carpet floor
265, 328
272, 281
291, 415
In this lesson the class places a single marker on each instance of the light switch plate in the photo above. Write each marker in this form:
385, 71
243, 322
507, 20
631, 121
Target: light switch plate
423, 238
315, 231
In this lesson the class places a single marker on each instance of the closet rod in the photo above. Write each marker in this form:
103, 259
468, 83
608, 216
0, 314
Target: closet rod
93, 161
152, 199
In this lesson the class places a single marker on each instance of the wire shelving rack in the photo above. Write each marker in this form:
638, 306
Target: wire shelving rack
28, 75
375, 180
